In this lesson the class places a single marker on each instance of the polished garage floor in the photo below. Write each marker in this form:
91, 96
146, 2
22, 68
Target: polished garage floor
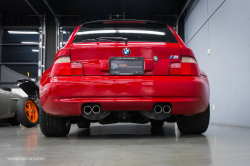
127, 144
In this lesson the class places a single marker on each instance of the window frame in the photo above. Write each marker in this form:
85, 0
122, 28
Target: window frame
19, 44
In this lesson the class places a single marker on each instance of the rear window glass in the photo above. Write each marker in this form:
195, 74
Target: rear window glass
134, 32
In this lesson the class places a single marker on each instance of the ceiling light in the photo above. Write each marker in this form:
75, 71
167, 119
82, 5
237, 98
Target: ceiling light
29, 42
33, 50
23, 32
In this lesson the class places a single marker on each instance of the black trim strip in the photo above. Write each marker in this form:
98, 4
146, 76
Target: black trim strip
18, 44
19, 63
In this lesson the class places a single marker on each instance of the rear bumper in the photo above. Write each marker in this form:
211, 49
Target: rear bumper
64, 96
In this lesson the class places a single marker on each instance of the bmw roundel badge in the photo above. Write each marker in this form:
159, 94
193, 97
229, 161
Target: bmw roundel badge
126, 51
155, 58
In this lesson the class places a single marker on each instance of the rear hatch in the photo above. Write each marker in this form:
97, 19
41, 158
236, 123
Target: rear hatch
145, 46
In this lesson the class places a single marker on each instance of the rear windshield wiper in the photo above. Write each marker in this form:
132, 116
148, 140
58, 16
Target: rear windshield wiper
108, 39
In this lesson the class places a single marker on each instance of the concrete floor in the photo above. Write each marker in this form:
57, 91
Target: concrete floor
127, 144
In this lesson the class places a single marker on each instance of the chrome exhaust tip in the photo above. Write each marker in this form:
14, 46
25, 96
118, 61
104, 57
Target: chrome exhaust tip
158, 109
96, 110
166, 109
87, 110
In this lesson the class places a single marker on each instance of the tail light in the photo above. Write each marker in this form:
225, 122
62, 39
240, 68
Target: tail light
64, 67
188, 66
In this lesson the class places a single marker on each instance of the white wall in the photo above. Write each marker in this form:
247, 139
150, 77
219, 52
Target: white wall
223, 27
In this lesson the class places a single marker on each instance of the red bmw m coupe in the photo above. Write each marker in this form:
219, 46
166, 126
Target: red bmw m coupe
124, 71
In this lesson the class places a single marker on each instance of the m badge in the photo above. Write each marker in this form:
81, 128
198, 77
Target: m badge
174, 57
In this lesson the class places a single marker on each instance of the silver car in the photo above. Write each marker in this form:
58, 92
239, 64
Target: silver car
8, 106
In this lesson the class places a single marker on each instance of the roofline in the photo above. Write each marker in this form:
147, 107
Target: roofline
147, 21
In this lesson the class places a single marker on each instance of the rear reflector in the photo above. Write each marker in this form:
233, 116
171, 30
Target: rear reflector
188, 67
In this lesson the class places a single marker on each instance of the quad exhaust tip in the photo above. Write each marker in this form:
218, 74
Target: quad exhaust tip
166, 109
158, 109
96, 110
88, 110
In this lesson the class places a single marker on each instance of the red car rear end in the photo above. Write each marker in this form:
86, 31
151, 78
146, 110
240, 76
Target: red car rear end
124, 71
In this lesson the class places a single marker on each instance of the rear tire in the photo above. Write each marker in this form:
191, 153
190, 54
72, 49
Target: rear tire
13, 121
194, 124
157, 123
84, 124
53, 126
22, 112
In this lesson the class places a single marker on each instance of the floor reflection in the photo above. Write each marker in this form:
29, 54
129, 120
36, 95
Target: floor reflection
122, 131
161, 145
127, 144
123, 143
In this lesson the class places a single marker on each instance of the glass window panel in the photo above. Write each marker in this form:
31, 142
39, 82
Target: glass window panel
25, 70
20, 36
149, 32
66, 34
20, 53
